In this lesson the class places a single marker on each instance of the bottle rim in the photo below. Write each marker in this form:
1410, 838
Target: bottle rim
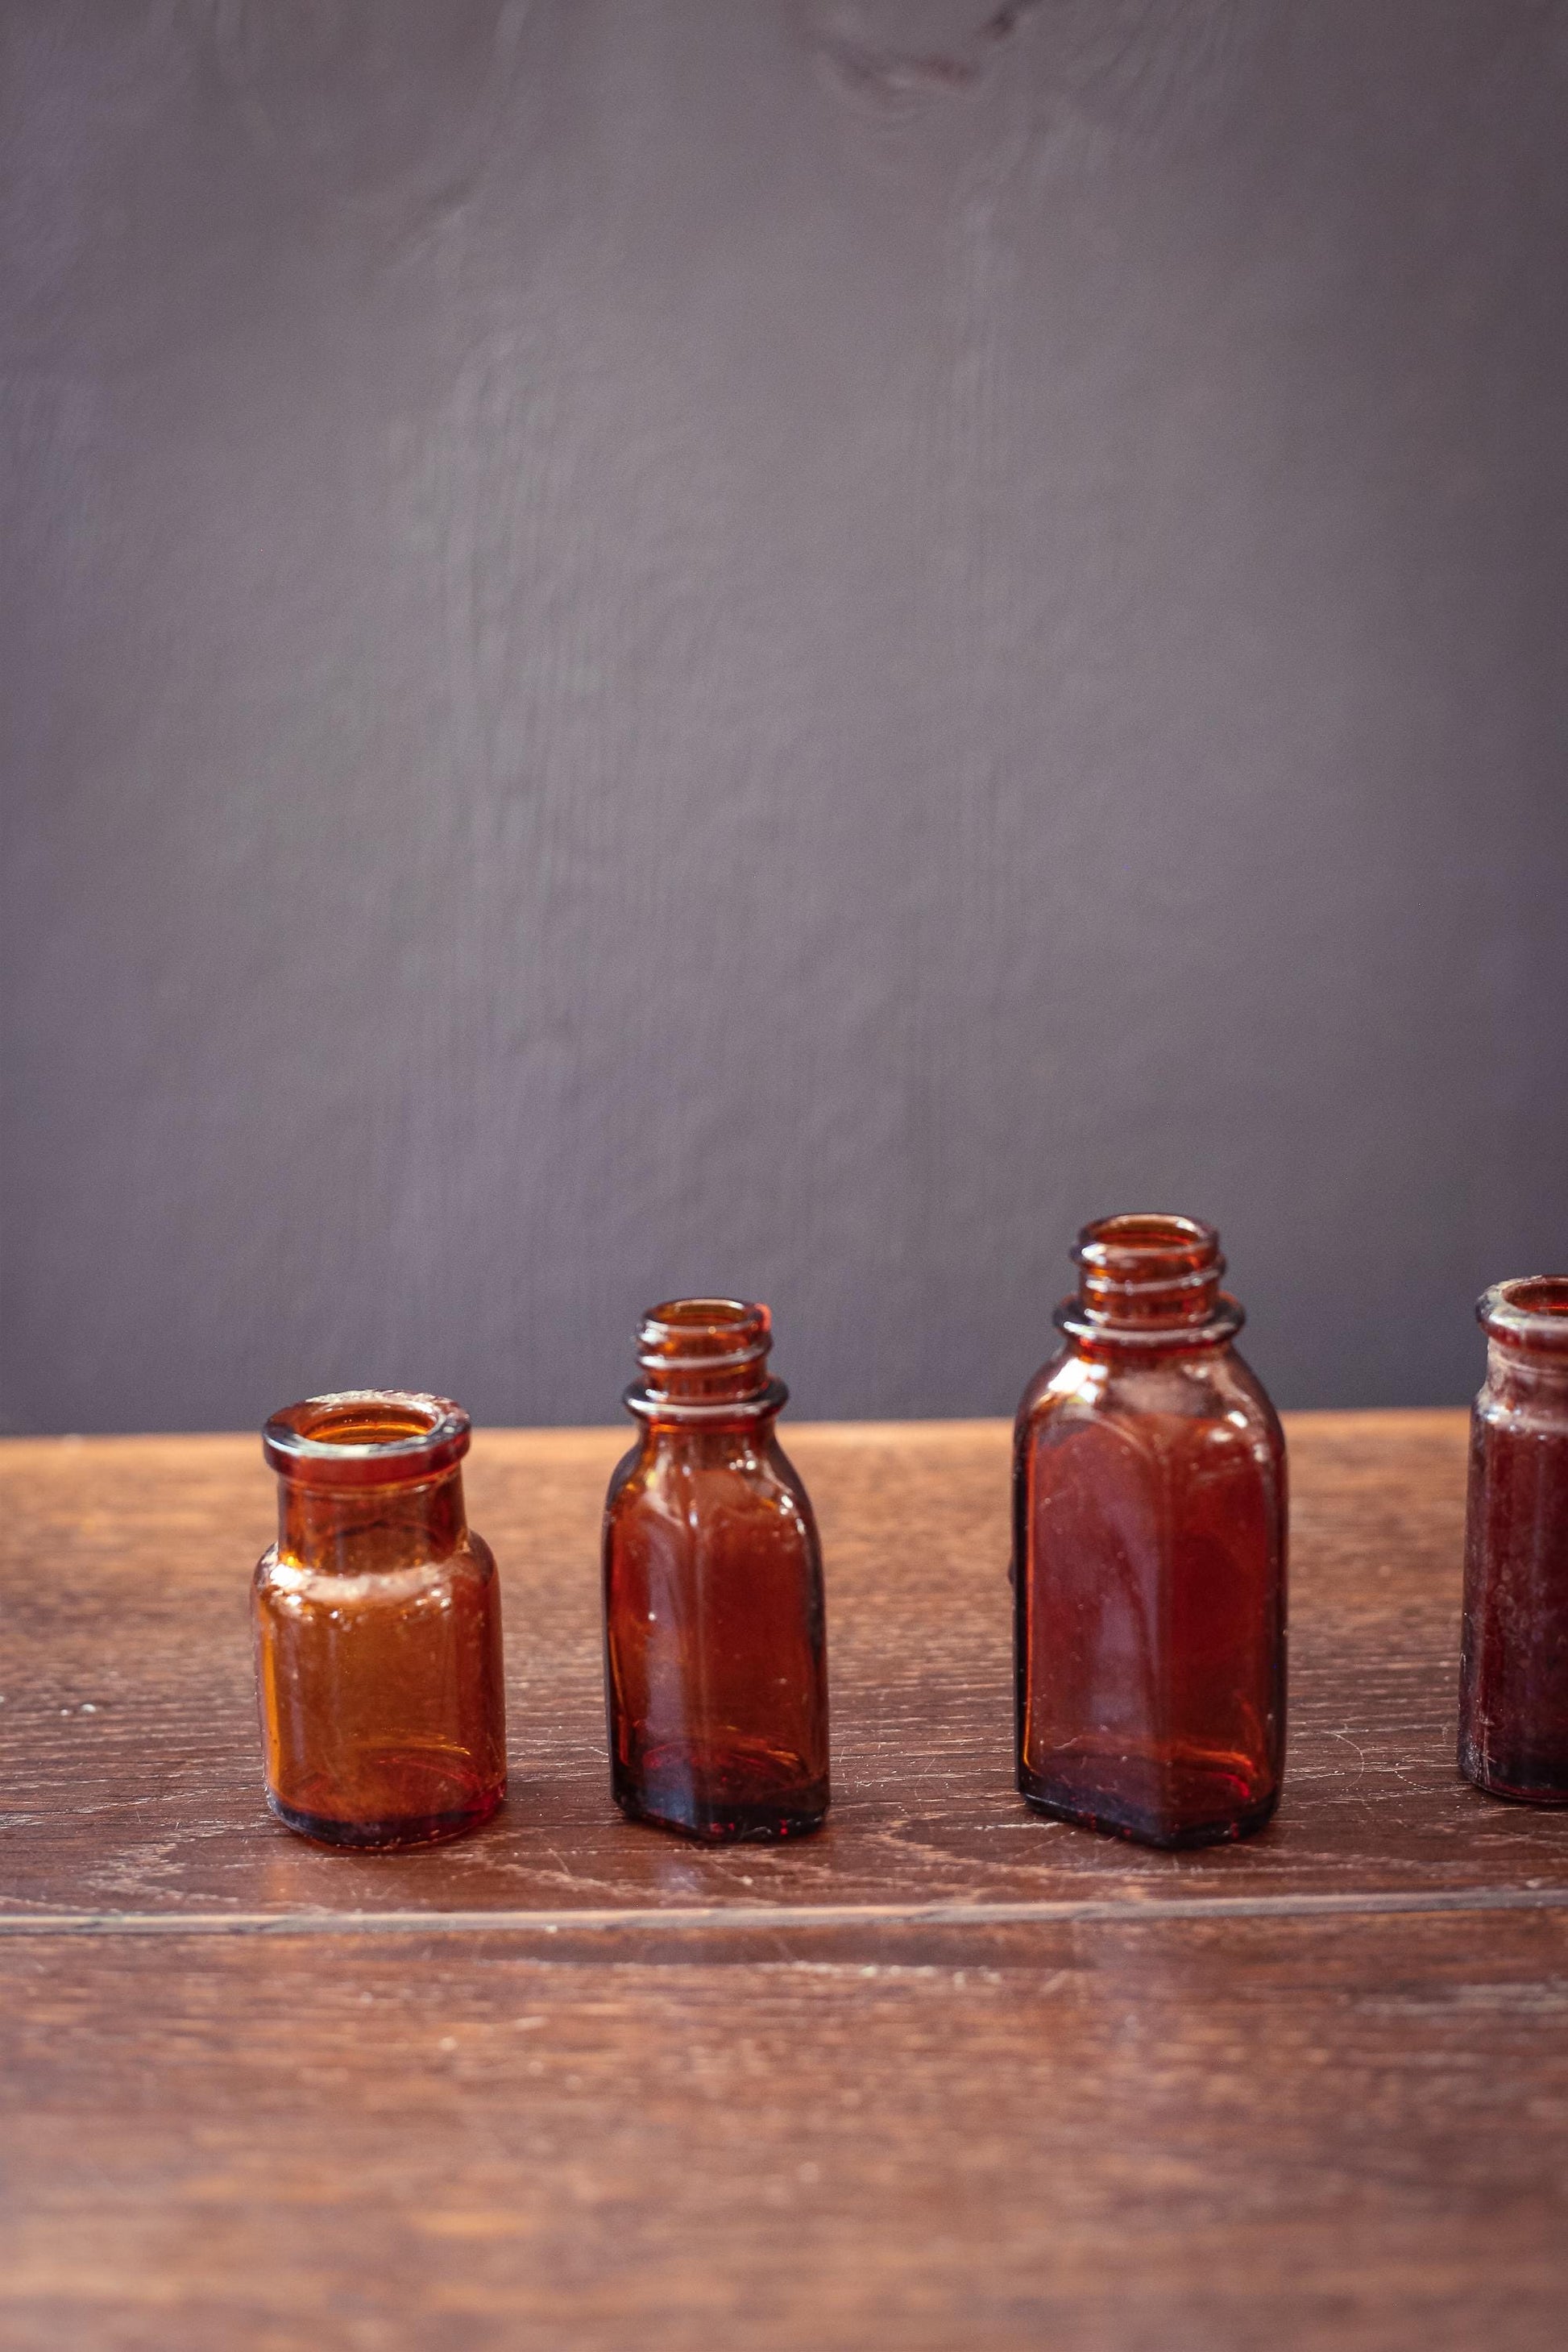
428, 1434
1530, 1312
1152, 1236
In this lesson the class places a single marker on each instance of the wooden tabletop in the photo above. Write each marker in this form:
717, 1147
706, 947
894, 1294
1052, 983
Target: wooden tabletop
947, 2076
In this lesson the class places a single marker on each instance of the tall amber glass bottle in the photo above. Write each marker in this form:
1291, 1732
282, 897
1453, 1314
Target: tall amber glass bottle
1148, 1552
715, 1655
378, 1648
1513, 1674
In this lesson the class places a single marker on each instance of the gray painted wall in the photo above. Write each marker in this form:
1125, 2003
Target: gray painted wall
689, 643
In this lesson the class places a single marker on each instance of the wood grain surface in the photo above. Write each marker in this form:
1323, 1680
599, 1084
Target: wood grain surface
1168, 2137
945, 2076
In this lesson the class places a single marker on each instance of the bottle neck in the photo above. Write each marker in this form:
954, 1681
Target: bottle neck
368, 1479
705, 1367
1520, 1381
1149, 1283
1526, 1324
363, 1530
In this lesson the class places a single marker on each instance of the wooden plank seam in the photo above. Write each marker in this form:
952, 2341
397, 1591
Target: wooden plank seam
741, 1918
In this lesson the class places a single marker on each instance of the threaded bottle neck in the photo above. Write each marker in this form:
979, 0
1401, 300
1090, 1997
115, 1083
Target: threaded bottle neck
1150, 1279
705, 1360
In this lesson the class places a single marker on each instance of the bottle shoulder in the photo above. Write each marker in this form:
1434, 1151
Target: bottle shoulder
1521, 1399
685, 1482
288, 1582
1215, 1385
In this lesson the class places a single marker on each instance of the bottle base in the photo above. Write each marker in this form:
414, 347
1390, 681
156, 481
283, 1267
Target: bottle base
1517, 1787
738, 1793
735, 1824
1195, 1804
386, 1836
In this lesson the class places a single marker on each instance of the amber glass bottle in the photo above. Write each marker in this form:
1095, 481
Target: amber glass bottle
1148, 1552
715, 1656
1513, 1673
378, 1648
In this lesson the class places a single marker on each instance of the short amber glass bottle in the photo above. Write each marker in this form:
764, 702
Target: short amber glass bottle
1513, 1672
378, 1645
715, 1653
1148, 1552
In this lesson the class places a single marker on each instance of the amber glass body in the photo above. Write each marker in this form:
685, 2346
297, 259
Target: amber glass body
1148, 1552
1514, 1672
377, 1617
715, 1648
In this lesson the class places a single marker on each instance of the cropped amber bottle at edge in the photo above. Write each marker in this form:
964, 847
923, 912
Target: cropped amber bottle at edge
378, 1645
715, 1655
1513, 1674
1148, 1552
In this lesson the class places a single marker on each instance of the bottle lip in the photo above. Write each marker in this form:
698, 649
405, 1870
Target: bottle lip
1154, 1234
421, 1436
1530, 1312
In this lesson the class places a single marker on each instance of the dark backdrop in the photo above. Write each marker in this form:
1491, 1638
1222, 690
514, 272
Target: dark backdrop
689, 644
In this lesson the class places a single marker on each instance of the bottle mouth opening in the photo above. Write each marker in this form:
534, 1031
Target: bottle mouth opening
1529, 1312
365, 1437
1148, 1249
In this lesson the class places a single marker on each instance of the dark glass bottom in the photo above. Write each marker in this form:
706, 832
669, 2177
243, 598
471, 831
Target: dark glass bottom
734, 1825
747, 1797
1203, 1807
1524, 1780
387, 1836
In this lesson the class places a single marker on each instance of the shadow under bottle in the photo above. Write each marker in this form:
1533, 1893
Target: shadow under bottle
715, 1650
1148, 1552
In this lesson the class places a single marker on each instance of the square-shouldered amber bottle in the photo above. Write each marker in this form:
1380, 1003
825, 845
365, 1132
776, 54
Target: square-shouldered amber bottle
715, 1649
1148, 1552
